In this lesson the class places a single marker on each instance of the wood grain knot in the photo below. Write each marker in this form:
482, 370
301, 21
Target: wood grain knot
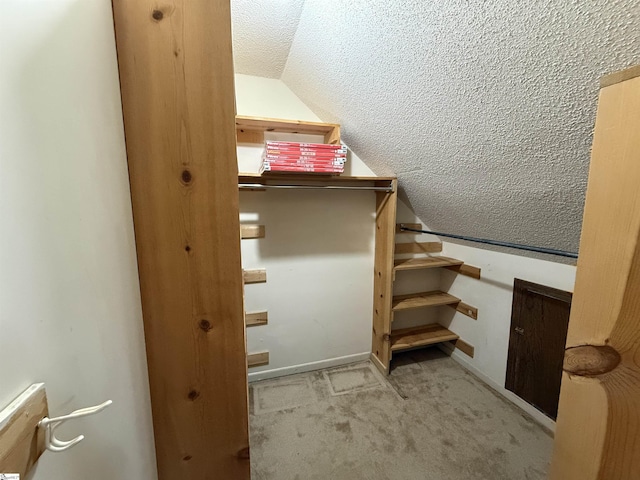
205, 325
186, 458
186, 176
590, 360
243, 453
187, 248
193, 394
157, 15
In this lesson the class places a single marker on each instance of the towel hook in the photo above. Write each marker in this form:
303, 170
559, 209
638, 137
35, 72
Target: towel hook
50, 424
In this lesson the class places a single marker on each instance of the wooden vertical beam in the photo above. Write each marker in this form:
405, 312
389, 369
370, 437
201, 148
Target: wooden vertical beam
176, 77
598, 426
386, 204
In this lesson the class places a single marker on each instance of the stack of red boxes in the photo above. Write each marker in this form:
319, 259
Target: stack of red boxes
293, 157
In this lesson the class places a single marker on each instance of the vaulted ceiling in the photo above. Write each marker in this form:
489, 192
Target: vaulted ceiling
484, 110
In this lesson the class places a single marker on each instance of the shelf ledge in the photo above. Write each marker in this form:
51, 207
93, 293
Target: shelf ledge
407, 338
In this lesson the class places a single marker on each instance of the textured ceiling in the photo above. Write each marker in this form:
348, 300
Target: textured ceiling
262, 34
483, 109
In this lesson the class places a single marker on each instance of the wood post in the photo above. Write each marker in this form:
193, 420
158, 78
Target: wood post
176, 77
386, 204
598, 427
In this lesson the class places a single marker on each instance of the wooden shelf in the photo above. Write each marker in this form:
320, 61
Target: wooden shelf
423, 299
283, 178
406, 338
313, 180
251, 129
425, 262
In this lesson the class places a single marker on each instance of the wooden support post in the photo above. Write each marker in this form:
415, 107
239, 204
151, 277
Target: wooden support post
176, 77
598, 426
386, 204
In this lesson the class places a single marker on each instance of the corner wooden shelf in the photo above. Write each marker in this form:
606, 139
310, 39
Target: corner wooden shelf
385, 341
251, 129
425, 262
424, 299
422, 336
314, 180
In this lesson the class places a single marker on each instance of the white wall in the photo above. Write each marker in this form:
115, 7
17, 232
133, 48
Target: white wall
69, 296
493, 296
318, 252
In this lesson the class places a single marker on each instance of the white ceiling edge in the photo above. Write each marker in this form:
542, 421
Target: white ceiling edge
483, 110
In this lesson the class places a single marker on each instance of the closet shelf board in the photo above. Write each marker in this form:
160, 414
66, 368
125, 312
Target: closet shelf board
406, 338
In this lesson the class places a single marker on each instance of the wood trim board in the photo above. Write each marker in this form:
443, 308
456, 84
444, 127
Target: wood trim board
248, 231
21, 442
258, 359
255, 319
257, 275
251, 129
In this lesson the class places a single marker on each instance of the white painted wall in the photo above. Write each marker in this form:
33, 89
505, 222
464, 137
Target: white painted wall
69, 297
493, 296
318, 253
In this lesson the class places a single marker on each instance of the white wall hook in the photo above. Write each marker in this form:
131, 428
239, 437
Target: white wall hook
50, 424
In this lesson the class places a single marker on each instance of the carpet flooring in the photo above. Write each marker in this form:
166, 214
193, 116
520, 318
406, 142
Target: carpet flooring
430, 419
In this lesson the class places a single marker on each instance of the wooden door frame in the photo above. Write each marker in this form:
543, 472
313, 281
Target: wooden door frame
177, 83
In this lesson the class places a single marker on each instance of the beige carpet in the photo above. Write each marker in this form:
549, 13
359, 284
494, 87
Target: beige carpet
429, 420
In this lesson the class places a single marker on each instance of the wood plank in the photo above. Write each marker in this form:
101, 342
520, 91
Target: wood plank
258, 359
598, 427
464, 347
423, 299
255, 178
258, 275
386, 205
467, 270
376, 361
406, 338
424, 262
251, 231
264, 124
417, 226
21, 444
466, 309
256, 318
177, 83
418, 247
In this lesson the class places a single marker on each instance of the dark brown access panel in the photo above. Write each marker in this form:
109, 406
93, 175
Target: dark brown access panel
539, 322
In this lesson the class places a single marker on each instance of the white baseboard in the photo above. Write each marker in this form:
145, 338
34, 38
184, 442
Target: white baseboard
308, 367
538, 416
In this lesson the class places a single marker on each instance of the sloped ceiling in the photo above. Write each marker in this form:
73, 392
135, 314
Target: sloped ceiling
483, 109
262, 34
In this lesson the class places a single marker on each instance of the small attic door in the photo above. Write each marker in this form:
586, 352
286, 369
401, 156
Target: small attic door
539, 322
